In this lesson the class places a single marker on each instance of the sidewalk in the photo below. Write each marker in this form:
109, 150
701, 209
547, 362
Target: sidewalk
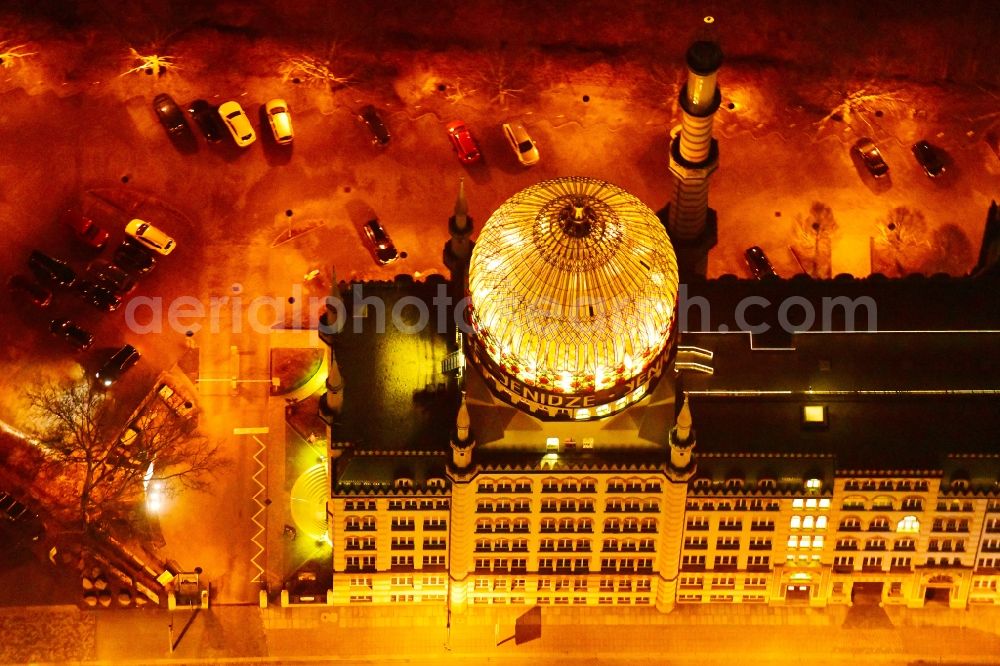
247, 634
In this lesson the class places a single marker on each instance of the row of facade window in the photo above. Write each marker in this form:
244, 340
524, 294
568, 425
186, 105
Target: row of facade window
367, 562
368, 524
723, 561
882, 503
701, 523
886, 484
398, 543
726, 543
553, 485
755, 504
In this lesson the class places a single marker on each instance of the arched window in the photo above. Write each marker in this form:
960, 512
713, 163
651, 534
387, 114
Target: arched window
796, 522
821, 523
879, 524
808, 522
882, 503
908, 524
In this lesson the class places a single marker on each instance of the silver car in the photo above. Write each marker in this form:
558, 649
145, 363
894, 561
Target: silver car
521, 143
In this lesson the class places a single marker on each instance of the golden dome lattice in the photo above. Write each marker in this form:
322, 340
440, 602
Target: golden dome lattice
573, 285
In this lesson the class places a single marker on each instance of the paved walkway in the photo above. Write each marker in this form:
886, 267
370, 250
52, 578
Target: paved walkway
246, 634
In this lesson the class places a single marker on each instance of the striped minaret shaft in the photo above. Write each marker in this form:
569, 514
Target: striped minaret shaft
694, 154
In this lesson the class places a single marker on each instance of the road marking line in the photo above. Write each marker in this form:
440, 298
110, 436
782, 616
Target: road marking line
257, 520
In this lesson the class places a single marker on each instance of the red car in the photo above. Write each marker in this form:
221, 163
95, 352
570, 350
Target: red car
85, 228
463, 142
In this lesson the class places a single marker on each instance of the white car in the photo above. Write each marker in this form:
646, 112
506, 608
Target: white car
149, 236
280, 118
238, 123
521, 143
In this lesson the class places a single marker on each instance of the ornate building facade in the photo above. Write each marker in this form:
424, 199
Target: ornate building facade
563, 436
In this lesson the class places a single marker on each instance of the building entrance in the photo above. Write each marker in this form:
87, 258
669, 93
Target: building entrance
866, 594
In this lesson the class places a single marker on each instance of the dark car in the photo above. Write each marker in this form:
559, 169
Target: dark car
170, 115
759, 264
111, 277
71, 333
928, 158
29, 290
133, 258
870, 155
115, 367
463, 142
371, 118
48, 269
85, 229
98, 295
208, 120
380, 243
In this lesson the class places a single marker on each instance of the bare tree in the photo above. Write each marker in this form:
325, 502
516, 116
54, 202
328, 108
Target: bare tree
325, 69
80, 427
9, 55
816, 234
502, 79
904, 228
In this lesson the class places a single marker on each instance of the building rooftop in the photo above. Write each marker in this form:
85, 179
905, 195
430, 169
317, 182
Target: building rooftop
396, 398
878, 400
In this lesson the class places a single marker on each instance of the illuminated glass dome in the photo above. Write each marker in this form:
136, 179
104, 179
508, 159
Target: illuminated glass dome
573, 286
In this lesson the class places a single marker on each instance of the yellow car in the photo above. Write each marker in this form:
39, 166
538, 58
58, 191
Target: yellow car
149, 236
280, 118
238, 123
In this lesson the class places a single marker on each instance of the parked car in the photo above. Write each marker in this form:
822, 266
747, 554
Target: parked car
928, 158
208, 119
380, 243
520, 142
759, 264
71, 333
117, 365
236, 120
170, 115
280, 119
380, 133
49, 269
29, 290
870, 155
463, 142
151, 237
85, 229
133, 257
112, 277
98, 295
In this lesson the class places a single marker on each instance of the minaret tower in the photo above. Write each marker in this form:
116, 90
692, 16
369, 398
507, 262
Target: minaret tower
458, 249
694, 156
680, 469
463, 511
